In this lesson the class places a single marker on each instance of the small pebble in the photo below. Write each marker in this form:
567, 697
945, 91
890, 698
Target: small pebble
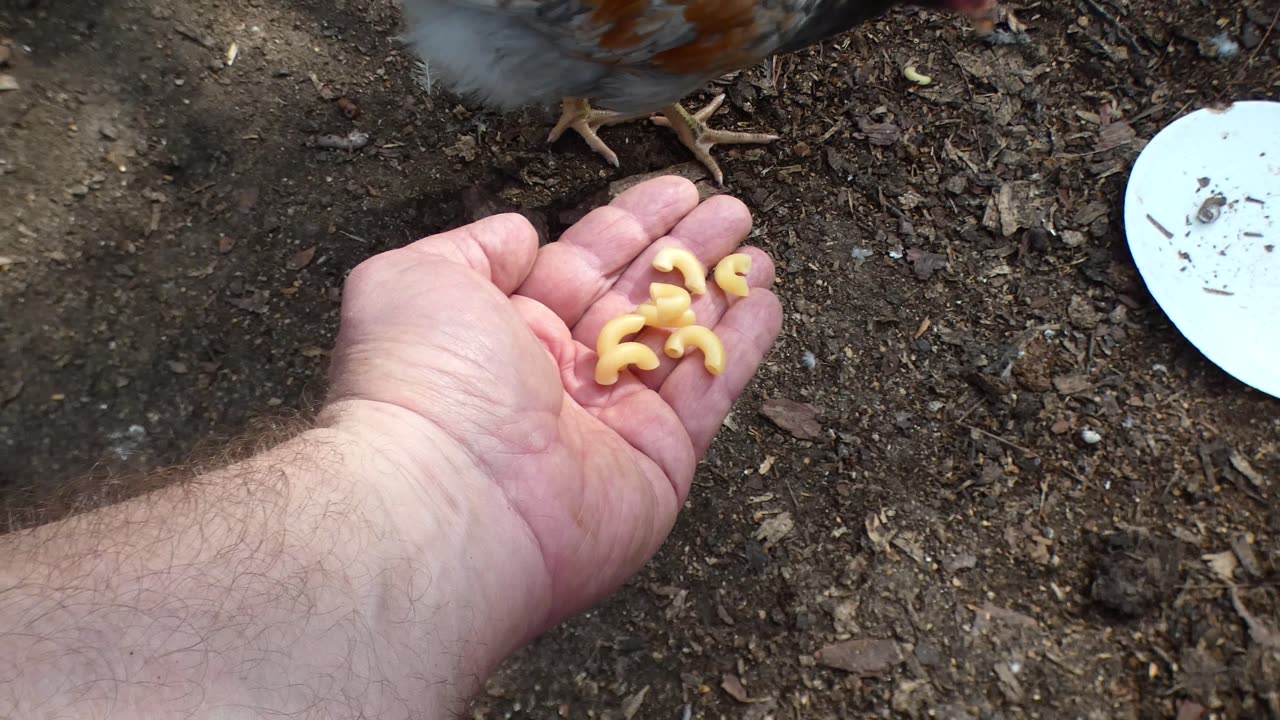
809, 360
1090, 437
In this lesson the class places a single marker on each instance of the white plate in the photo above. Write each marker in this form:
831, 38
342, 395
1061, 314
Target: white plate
1218, 281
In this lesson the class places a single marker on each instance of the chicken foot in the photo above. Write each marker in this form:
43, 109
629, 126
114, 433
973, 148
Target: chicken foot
694, 134
578, 115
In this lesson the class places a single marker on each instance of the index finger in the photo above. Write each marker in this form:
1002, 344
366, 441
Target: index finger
570, 274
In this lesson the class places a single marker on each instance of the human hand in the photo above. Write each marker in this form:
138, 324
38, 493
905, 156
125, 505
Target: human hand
468, 486
477, 347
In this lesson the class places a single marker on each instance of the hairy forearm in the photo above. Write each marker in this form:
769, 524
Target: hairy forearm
294, 582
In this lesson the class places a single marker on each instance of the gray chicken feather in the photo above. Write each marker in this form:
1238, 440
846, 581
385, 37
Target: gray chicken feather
512, 53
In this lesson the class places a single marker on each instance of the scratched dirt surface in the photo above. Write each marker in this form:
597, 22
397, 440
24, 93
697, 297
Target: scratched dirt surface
982, 476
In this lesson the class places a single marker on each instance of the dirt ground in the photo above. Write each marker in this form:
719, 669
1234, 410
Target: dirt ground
1015, 491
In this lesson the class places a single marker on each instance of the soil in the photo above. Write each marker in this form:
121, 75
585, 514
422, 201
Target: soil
1015, 489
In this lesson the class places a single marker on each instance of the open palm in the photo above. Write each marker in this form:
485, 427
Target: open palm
488, 341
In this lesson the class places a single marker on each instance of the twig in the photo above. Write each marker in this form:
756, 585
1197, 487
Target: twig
1265, 36
796, 505
1002, 441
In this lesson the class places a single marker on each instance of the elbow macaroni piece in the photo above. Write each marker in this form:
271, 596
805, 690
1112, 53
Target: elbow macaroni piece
617, 358
702, 338
649, 312
670, 302
613, 331
674, 258
670, 309
730, 274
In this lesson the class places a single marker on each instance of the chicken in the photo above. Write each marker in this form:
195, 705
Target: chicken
631, 57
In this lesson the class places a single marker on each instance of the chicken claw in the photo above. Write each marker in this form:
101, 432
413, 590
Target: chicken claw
580, 117
694, 134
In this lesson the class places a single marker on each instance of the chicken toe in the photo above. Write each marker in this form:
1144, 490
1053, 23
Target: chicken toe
694, 134
580, 117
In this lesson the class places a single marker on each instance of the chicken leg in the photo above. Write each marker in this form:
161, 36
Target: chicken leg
691, 128
694, 134
580, 117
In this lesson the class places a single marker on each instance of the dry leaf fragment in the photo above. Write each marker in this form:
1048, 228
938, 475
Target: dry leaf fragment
799, 419
1072, 384
774, 529
882, 134
302, 258
1223, 564
1259, 631
925, 264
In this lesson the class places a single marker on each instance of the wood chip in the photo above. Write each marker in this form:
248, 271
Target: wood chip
633, 703
733, 686
1242, 466
195, 36
1115, 134
1189, 710
1013, 207
691, 171
1242, 548
323, 90
863, 657
353, 140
